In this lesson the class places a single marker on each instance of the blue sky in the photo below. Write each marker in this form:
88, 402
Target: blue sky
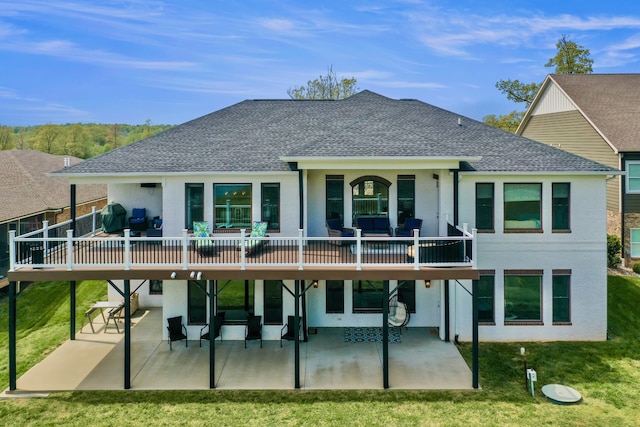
128, 61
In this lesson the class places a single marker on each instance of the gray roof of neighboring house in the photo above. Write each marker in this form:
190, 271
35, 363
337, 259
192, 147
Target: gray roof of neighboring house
253, 135
27, 190
610, 102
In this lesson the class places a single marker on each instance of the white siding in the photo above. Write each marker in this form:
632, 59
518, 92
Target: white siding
553, 101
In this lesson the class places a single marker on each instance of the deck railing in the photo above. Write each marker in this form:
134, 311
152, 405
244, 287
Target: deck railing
186, 252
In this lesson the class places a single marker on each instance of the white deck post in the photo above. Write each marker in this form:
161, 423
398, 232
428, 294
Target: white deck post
12, 250
300, 251
185, 249
69, 250
45, 236
474, 247
93, 218
416, 250
358, 249
243, 249
127, 249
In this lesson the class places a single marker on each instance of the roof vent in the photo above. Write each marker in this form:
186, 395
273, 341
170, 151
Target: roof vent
67, 161
459, 121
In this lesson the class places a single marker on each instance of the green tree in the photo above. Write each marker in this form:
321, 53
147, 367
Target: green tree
6, 138
326, 87
47, 139
77, 141
570, 58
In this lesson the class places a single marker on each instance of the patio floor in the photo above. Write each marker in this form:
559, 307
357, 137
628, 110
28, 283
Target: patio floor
95, 362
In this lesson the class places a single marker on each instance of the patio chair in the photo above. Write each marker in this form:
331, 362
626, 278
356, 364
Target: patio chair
256, 239
253, 330
335, 229
203, 246
176, 329
288, 331
138, 220
410, 224
218, 319
398, 313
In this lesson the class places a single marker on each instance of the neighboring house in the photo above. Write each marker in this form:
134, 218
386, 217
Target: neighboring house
596, 116
537, 262
30, 196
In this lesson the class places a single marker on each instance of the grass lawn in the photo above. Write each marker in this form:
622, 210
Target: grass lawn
607, 374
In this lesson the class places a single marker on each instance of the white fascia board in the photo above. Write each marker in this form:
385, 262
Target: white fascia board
387, 163
543, 173
104, 178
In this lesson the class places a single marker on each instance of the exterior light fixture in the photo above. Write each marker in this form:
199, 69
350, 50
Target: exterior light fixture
427, 283
315, 283
199, 276
173, 274
193, 274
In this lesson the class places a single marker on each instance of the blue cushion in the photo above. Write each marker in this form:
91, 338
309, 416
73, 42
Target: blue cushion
139, 212
412, 223
381, 224
334, 224
365, 223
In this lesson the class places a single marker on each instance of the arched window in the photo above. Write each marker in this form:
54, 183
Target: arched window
370, 196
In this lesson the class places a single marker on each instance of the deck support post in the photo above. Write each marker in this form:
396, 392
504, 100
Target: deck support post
447, 312
475, 346
296, 333
12, 336
385, 334
212, 338
127, 334
72, 310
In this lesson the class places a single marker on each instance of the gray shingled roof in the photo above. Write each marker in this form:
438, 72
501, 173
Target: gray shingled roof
27, 190
610, 101
253, 135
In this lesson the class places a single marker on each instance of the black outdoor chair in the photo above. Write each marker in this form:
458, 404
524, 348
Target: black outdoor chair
218, 319
253, 330
176, 329
288, 331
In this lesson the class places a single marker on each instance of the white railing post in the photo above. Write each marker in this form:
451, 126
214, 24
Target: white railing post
185, 249
93, 218
243, 249
416, 249
300, 251
127, 249
358, 249
45, 236
12, 250
465, 227
474, 247
69, 250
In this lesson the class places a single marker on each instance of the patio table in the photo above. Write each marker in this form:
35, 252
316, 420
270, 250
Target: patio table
101, 305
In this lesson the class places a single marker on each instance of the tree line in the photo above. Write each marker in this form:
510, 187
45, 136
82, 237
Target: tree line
83, 140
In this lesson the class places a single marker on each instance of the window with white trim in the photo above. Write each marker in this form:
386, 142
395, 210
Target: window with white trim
635, 243
633, 177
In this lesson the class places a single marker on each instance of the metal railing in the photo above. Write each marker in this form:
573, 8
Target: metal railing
241, 251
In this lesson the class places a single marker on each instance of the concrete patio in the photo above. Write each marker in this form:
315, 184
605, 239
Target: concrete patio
95, 362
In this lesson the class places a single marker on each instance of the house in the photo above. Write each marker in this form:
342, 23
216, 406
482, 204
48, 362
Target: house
511, 247
596, 116
30, 196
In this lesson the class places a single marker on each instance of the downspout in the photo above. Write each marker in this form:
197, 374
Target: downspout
72, 284
622, 207
446, 311
12, 336
127, 334
212, 339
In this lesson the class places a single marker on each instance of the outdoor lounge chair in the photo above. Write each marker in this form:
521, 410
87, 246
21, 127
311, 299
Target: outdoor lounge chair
410, 224
288, 331
218, 319
256, 239
138, 220
176, 329
204, 246
253, 330
335, 229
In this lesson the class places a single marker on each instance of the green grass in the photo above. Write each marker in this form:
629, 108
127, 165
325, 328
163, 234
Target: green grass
607, 374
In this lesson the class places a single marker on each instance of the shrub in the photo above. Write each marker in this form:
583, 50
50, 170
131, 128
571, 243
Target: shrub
636, 267
613, 250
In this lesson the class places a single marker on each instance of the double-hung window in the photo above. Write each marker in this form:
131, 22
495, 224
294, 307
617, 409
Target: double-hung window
486, 297
334, 197
197, 302
194, 204
271, 205
232, 205
560, 192
406, 198
272, 302
561, 296
484, 206
633, 177
335, 296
